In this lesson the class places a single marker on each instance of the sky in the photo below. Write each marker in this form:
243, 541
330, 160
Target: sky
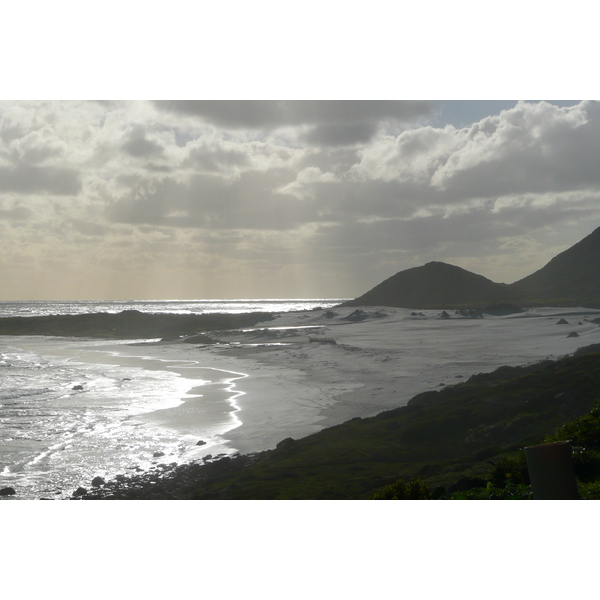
245, 162
251, 198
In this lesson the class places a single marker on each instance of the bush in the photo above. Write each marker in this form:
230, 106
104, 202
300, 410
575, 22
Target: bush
400, 490
584, 431
510, 470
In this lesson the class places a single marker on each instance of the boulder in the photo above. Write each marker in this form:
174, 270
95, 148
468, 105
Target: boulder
286, 443
158, 453
573, 334
357, 316
200, 443
77, 387
466, 483
7, 491
80, 491
98, 481
562, 322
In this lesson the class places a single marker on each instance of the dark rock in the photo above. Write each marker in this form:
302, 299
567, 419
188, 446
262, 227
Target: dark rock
573, 334
356, 316
329, 314
286, 443
7, 491
438, 492
501, 309
80, 491
200, 443
218, 467
443, 315
77, 387
98, 481
562, 322
158, 453
121, 478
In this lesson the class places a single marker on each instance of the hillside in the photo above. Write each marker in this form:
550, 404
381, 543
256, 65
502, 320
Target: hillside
570, 279
434, 285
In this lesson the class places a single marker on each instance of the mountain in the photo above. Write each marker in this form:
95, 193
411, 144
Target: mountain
570, 279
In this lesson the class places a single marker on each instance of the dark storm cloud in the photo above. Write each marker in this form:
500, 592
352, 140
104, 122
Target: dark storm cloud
260, 200
340, 135
334, 122
139, 146
16, 213
215, 159
205, 201
28, 179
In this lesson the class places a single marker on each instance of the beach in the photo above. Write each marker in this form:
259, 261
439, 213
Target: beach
146, 403
304, 371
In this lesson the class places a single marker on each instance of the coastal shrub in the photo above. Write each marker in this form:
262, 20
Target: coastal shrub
589, 491
584, 431
586, 464
400, 490
510, 492
509, 470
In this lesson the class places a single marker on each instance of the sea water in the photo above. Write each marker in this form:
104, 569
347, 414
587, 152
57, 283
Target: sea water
73, 409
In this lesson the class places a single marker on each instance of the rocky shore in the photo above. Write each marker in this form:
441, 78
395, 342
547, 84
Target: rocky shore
165, 481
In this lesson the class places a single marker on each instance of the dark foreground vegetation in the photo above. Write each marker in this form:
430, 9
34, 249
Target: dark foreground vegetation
461, 442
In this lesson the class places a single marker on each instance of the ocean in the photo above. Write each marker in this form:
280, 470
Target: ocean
72, 409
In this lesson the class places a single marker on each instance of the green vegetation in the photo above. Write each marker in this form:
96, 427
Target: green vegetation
509, 479
400, 490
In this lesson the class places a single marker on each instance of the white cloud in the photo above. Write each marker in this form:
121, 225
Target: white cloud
88, 189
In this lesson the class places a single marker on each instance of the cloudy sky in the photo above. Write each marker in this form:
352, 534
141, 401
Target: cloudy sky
251, 199
325, 172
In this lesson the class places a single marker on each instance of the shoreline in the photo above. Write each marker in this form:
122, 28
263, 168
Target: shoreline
311, 370
449, 455
368, 370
